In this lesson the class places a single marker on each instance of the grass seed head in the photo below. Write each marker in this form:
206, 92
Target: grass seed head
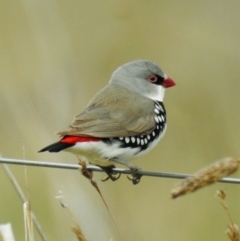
206, 176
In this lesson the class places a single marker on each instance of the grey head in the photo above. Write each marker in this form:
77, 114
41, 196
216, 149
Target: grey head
143, 77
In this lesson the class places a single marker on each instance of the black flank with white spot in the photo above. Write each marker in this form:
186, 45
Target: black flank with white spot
144, 141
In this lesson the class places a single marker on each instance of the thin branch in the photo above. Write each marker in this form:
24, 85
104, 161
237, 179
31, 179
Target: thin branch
98, 169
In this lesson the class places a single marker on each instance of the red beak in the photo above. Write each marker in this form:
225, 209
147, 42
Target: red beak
168, 82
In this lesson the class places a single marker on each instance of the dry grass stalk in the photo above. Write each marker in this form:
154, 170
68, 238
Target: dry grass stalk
28, 222
232, 231
89, 175
206, 176
22, 197
76, 228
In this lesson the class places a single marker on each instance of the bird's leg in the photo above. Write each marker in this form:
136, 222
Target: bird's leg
135, 177
110, 173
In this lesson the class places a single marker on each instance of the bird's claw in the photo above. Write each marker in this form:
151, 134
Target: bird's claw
135, 177
112, 176
110, 173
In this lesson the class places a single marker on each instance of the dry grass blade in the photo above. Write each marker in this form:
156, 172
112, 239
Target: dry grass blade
206, 176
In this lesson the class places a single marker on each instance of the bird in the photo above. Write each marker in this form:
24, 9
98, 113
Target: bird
124, 120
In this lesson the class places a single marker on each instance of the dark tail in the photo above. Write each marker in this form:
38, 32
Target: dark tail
56, 147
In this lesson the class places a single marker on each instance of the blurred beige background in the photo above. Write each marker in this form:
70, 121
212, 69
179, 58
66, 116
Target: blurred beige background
54, 55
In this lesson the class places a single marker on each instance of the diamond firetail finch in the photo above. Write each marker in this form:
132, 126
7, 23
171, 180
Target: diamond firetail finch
124, 120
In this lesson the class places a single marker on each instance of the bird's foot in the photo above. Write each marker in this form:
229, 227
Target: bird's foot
135, 177
110, 173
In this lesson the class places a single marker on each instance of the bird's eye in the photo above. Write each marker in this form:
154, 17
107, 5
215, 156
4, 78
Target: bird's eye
152, 78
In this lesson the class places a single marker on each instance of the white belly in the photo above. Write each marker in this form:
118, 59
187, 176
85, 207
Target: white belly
101, 153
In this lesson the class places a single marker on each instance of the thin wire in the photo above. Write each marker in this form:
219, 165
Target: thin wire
98, 169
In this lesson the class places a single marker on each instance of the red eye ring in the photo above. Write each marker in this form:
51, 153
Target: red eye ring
152, 78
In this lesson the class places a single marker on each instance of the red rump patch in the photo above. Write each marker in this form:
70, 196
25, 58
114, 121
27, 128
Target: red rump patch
75, 139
